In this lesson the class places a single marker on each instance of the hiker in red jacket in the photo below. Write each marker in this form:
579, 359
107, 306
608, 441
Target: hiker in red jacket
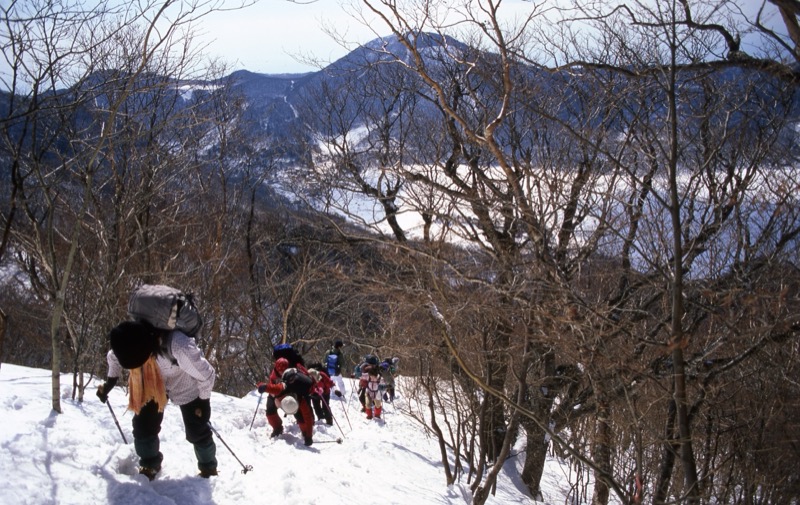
289, 388
321, 394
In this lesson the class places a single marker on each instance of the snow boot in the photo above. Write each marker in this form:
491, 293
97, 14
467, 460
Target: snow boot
147, 448
308, 440
206, 458
369, 413
276, 432
377, 412
209, 472
149, 472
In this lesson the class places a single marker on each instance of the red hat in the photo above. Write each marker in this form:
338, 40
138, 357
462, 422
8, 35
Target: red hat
281, 365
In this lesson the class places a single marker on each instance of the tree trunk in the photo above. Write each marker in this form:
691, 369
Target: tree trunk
536, 448
3, 320
684, 430
678, 340
541, 404
497, 370
482, 492
667, 459
601, 452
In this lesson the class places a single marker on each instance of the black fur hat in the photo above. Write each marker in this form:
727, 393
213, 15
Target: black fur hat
133, 342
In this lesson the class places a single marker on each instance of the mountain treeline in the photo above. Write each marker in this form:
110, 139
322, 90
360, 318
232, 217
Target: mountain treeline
579, 228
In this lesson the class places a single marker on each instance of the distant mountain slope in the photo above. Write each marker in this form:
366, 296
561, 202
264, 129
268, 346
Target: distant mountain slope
281, 111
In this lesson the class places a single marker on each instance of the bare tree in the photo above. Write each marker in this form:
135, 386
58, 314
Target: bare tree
555, 185
65, 61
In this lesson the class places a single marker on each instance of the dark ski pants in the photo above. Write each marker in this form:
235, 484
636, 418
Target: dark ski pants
147, 426
362, 398
321, 406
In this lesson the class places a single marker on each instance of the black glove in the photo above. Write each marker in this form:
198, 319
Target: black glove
262, 387
337, 393
104, 389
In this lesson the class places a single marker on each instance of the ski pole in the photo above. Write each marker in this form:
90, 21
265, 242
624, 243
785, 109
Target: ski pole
245, 468
256, 412
384, 402
346, 416
116, 422
352, 390
331, 412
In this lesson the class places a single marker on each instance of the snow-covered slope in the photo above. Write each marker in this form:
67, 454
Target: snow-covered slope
78, 457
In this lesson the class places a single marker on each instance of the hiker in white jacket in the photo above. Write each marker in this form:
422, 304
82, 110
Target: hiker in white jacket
163, 365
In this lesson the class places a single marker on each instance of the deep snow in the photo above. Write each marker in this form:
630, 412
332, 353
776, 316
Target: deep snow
78, 457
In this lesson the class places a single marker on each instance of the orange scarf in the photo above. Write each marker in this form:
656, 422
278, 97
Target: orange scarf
144, 385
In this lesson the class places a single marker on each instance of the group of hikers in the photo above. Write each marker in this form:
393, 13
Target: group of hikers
164, 362
305, 390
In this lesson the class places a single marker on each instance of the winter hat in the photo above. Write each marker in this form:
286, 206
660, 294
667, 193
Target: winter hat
289, 404
133, 342
338, 343
281, 365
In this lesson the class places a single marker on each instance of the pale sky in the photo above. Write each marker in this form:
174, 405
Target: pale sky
276, 36
272, 35
284, 36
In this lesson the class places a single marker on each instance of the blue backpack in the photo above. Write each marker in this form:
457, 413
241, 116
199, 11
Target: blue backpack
331, 362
